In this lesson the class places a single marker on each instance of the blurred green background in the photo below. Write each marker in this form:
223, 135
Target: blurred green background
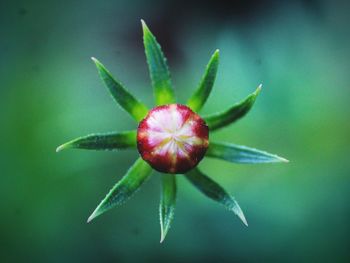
50, 92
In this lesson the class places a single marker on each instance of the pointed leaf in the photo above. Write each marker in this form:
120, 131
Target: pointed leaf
102, 141
167, 203
241, 154
158, 68
125, 188
214, 191
202, 93
222, 119
124, 98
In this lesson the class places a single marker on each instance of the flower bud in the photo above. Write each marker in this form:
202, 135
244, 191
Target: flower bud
172, 138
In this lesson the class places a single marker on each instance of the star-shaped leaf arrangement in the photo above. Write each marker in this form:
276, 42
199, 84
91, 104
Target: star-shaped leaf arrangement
171, 138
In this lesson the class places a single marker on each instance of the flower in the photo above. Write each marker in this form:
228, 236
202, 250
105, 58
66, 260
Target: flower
171, 138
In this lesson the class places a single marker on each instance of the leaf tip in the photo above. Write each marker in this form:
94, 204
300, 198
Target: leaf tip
242, 217
63, 147
162, 237
59, 148
93, 216
258, 89
163, 233
244, 220
283, 160
238, 211
279, 159
144, 26
215, 57
98, 64
95, 61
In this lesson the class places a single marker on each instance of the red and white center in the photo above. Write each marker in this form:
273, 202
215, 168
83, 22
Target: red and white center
172, 138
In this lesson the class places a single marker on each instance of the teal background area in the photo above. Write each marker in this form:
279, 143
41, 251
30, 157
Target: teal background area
50, 93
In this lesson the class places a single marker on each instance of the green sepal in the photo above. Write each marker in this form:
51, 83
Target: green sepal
167, 203
202, 93
125, 188
102, 141
215, 192
237, 111
241, 154
158, 68
120, 94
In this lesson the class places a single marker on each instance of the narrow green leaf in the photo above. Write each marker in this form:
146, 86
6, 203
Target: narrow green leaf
167, 203
158, 68
214, 191
237, 111
102, 141
125, 188
241, 154
202, 93
124, 98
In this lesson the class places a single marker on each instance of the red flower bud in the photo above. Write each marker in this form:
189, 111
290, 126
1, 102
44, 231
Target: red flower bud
172, 138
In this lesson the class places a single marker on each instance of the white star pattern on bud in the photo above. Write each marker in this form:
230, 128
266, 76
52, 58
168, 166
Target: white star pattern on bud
175, 135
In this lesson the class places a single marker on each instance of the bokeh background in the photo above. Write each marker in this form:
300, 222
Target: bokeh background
50, 92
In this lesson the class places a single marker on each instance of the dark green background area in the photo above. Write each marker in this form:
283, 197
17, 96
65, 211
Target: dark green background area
50, 92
